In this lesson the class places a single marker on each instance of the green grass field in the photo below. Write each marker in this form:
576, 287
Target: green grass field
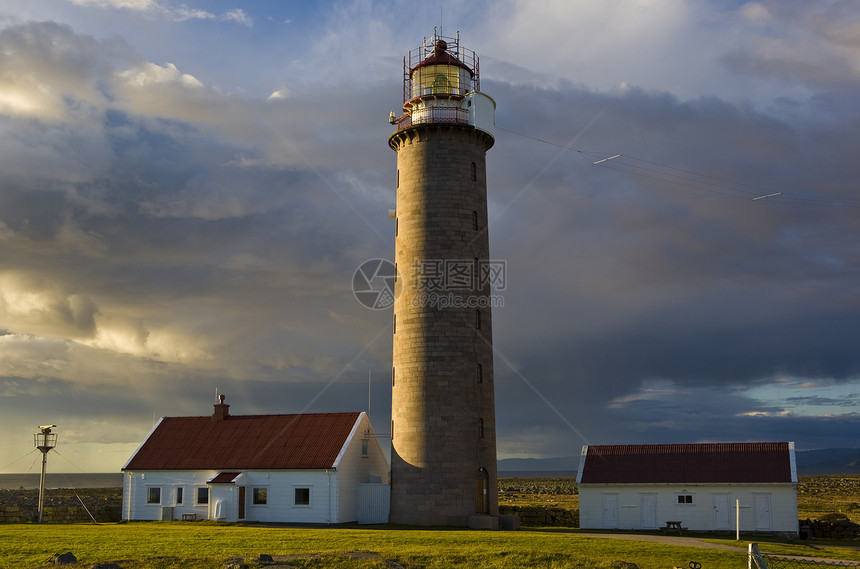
204, 544
151, 545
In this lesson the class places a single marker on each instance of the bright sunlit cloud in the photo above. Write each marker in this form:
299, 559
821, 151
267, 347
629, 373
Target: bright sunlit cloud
151, 74
175, 13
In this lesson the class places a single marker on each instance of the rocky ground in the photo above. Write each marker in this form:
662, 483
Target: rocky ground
828, 486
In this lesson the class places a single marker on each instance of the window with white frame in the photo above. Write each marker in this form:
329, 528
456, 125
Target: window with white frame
302, 496
202, 495
260, 496
180, 495
153, 495
685, 499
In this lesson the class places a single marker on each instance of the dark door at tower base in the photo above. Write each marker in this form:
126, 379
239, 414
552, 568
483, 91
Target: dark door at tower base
482, 497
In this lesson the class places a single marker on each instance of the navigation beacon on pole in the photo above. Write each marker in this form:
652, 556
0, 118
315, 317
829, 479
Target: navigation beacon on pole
443, 463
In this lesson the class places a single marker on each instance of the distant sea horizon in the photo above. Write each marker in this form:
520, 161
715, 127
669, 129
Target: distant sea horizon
30, 481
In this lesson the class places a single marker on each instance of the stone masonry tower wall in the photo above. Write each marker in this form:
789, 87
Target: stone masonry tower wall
443, 467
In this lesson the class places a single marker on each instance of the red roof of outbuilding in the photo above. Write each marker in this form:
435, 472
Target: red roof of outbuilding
243, 442
689, 463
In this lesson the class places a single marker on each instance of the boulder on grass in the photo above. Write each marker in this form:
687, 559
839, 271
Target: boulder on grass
64, 558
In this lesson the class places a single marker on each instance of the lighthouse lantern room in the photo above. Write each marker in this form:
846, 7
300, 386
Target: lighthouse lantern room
441, 83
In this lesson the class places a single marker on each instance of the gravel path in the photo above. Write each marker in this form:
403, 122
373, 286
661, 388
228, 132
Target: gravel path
670, 540
696, 542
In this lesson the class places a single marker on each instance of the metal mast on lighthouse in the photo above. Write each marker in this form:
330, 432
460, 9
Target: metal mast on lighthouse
443, 467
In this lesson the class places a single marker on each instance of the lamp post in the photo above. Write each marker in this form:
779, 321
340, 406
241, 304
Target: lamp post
45, 440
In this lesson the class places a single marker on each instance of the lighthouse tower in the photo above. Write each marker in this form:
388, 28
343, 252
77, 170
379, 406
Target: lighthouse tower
443, 463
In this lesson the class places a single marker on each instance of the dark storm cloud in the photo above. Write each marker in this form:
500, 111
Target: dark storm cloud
194, 241
790, 45
623, 275
824, 401
161, 237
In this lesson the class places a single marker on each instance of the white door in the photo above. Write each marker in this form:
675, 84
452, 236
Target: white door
648, 507
721, 511
610, 511
762, 512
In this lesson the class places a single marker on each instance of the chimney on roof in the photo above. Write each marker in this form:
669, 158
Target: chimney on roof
222, 410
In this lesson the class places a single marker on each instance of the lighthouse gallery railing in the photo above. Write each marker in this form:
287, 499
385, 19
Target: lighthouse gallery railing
429, 115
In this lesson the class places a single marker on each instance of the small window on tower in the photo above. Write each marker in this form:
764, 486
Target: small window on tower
396, 227
478, 319
394, 324
474, 172
392, 377
475, 220
480, 428
479, 374
398, 178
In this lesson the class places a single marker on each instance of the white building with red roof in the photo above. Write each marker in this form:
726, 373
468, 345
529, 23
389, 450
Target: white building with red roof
304, 468
700, 487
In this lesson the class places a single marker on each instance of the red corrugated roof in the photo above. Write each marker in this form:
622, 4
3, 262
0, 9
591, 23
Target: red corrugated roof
688, 463
245, 442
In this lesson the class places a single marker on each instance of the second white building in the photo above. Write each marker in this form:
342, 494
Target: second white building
697, 487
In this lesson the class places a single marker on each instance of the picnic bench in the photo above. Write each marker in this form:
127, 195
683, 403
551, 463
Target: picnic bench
673, 526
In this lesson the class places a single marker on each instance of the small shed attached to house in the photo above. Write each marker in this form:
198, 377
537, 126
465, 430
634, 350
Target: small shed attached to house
705, 487
302, 468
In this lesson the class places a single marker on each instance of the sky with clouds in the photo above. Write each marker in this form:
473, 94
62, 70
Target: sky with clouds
187, 188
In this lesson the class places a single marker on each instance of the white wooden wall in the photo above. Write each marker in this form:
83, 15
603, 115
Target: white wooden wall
354, 469
632, 503
135, 484
280, 486
374, 503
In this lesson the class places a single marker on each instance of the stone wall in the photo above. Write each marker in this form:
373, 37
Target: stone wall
539, 516
833, 526
63, 514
